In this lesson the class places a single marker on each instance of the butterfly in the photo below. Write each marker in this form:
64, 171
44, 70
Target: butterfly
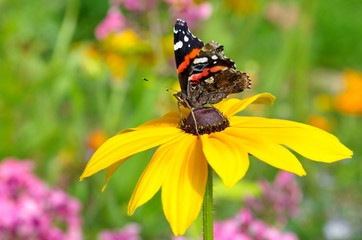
205, 74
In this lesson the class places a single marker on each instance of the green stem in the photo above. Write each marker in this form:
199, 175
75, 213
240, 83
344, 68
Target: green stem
207, 207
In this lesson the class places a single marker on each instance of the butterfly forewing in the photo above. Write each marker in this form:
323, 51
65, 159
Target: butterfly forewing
186, 47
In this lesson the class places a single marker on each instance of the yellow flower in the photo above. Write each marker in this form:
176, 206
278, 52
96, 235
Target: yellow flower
242, 8
122, 49
167, 46
126, 42
116, 63
324, 102
180, 165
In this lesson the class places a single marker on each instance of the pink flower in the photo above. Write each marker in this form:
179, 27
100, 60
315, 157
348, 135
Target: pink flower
179, 238
289, 236
257, 229
229, 230
245, 227
282, 14
129, 232
244, 216
134, 5
279, 200
139, 5
189, 11
113, 22
60, 203
29, 209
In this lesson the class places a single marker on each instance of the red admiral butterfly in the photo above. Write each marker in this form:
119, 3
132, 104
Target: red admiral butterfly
205, 74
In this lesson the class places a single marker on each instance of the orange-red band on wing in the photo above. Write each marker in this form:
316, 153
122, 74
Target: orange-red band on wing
187, 59
195, 78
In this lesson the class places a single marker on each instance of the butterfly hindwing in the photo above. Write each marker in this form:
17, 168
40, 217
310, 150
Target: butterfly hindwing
208, 62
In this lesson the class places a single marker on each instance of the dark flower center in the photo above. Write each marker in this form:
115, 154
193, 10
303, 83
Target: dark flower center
204, 120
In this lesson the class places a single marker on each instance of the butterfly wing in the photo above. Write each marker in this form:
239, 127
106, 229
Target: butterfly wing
209, 61
205, 74
186, 47
213, 76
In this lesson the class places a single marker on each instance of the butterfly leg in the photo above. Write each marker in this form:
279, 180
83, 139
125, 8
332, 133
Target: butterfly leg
193, 116
182, 101
179, 110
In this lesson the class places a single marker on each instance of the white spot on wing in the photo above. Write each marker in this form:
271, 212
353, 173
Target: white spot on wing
214, 57
178, 45
210, 80
186, 39
200, 60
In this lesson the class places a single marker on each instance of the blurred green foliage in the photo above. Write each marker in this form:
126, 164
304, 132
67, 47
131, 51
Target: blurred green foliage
54, 94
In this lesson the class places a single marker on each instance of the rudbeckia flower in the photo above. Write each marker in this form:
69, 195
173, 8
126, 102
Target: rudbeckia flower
219, 139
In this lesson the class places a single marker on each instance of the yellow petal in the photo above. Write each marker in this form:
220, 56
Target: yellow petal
184, 186
121, 146
309, 141
171, 119
229, 160
267, 151
153, 176
232, 106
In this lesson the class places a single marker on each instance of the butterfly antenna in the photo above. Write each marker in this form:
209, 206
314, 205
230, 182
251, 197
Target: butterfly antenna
158, 84
193, 116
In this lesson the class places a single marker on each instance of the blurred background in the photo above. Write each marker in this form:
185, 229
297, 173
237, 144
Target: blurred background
71, 76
